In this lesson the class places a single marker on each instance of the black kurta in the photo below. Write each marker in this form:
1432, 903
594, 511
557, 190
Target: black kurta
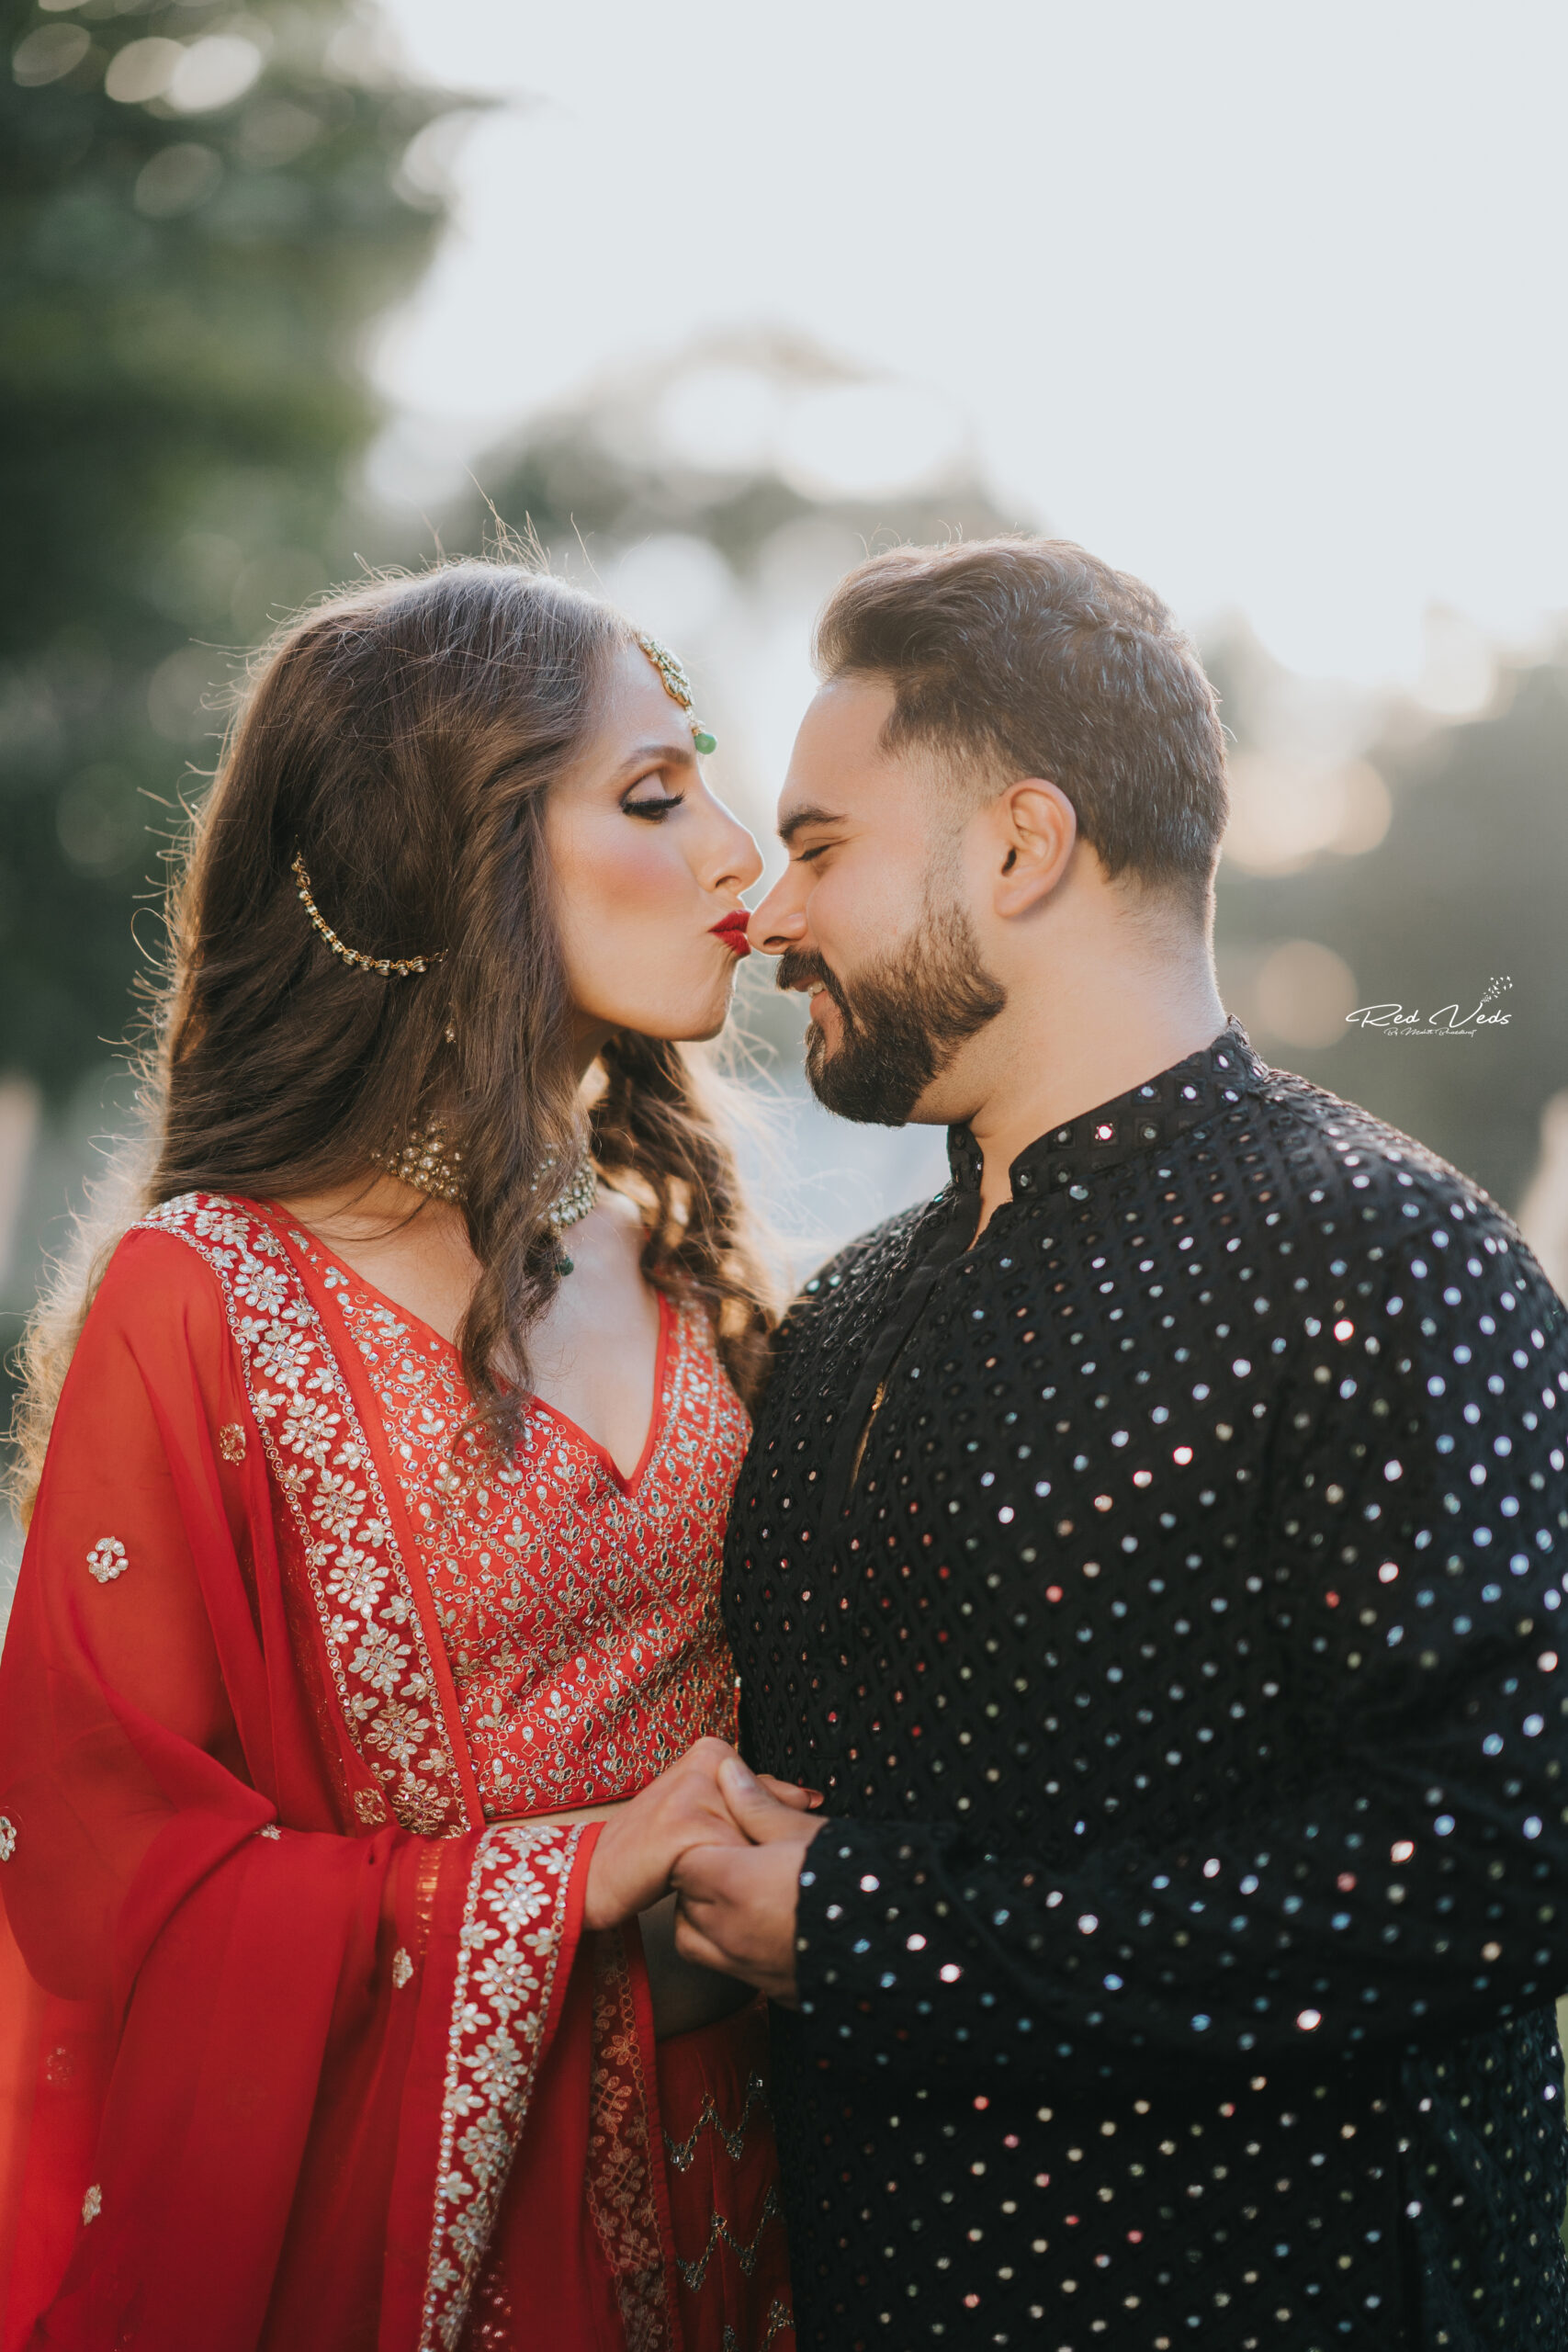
1181, 1664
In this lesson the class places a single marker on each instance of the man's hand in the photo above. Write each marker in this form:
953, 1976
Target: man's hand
738, 1903
642, 1840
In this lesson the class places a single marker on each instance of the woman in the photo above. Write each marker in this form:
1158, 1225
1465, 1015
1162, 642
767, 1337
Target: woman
365, 1677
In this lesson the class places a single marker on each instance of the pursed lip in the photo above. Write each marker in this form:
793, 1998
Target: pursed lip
732, 931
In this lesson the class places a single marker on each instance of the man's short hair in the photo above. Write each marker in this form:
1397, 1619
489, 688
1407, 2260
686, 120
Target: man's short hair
1029, 657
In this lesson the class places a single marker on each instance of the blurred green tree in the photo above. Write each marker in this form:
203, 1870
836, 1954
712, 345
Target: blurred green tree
201, 214
1460, 888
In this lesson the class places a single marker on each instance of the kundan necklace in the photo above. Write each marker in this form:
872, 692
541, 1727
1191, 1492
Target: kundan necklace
432, 1165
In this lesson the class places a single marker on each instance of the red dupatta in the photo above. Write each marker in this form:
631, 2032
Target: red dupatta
278, 2002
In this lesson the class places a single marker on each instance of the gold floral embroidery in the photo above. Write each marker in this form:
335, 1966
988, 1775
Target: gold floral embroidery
580, 1619
7, 1837
507, 1950
91, 2204
107, 1559
318, 1454
403, 1968
231, 1441
269, 1829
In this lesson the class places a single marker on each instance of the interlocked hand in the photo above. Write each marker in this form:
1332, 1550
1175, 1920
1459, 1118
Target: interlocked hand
641, 1844
737, 1899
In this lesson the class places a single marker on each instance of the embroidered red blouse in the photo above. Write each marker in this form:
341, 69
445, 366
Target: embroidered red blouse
578, 1609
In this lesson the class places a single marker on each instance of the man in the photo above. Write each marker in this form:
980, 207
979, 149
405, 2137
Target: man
1153, 1547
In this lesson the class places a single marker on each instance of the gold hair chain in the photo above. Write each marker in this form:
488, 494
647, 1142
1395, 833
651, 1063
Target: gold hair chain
400, 965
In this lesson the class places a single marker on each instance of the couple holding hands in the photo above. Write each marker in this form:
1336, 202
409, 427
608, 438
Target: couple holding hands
1132, 1578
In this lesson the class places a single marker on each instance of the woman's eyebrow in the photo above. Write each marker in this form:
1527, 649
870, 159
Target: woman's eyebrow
669, 755
798, 819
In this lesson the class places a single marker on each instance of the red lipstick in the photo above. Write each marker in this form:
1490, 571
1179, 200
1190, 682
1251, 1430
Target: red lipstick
732, 931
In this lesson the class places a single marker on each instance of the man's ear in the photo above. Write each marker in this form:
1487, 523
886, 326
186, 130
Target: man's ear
1035, 829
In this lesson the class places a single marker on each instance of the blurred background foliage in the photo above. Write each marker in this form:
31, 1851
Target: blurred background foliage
201, 213
1382, 853
208, 213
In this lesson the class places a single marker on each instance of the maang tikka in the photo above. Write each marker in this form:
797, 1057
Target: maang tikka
677, 686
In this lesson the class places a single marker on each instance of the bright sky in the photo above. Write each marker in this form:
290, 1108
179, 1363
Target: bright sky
1264, 302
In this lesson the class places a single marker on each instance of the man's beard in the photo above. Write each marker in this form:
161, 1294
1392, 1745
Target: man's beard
904, 1018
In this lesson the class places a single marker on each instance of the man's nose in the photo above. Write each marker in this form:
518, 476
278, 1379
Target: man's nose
775, 925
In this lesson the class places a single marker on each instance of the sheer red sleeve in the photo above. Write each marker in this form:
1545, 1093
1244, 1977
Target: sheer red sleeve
227, 2013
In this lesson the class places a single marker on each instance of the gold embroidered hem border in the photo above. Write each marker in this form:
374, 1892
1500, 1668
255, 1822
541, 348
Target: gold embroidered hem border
382, 1667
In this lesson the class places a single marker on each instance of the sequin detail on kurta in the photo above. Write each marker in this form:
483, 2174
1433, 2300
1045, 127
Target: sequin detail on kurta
1182, 1666
580, 1616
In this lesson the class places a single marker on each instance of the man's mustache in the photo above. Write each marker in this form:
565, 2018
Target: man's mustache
799, 966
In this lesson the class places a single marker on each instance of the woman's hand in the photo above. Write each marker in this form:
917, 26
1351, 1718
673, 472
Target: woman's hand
642, 1841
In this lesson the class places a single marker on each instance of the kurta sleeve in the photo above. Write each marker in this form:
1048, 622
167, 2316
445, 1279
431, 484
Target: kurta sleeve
1402, 1878
231, 2058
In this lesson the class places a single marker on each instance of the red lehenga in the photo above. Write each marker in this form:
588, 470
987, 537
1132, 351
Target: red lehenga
302, 2044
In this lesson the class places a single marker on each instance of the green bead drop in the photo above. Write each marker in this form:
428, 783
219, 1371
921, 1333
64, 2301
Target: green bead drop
705, 742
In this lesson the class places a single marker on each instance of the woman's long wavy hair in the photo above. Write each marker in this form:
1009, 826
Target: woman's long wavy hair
402, 739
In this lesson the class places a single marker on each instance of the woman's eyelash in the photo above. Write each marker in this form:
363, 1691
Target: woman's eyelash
653, 809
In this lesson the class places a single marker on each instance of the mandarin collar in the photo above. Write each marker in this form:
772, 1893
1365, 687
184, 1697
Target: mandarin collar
1142, 1119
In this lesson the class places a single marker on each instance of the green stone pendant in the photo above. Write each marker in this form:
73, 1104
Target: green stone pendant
705, 742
